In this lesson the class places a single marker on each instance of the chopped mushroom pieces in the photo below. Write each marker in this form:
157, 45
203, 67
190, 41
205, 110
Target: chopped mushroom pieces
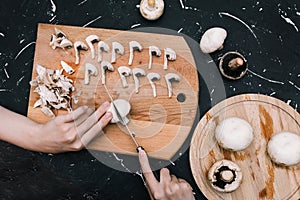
59, 39
54, 90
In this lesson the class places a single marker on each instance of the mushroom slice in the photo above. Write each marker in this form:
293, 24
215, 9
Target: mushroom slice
213, 39
137, 72
152, 9
67, 67
123, 107
117, 48
79, 45
170, 54
90, 40
38, 103
65, 43
153, 77
225, 176
284, 148
153, 50
133, 45
105, 66
54, 41
102, 47
59, 33
47, 111
90, 70
171, 77
124, 72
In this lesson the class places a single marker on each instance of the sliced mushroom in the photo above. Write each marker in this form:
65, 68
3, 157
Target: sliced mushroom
213, 39
152, 9
137, 72
65, 43
67, 67
133, 46
153, 50
78, 45
59, 33
102, 47
171, 77
117, 48
54, 41
90, 40
123, 107
105, 66
225, 176
90, 70
169, 54
153, 77
47, 111
124, 72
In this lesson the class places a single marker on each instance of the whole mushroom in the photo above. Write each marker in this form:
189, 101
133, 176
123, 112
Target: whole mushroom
213, 39
152, 9
234, 134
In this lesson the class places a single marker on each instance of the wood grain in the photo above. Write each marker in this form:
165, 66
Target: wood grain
262, 179
161, 124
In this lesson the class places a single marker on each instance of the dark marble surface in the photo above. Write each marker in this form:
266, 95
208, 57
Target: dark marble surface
269, 40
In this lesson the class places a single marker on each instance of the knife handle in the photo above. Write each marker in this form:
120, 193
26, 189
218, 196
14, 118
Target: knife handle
139, 148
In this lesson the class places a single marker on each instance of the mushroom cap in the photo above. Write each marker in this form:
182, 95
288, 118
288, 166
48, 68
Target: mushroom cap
123, 107
152, 13
212, 39
234, 134
284, 148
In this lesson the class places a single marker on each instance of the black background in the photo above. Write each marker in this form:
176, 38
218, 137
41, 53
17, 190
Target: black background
274, 55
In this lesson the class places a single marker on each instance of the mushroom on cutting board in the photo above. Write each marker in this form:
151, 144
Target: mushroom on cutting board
137, 72
79, 45
133, 46
117, 48
151, 78
284, 148
124, 72
105, 66
123, 107
234, 134
225, 176
152, 9
90, 40
171, 77
213, 39
102, 47
153, 50
90, 70
169, 54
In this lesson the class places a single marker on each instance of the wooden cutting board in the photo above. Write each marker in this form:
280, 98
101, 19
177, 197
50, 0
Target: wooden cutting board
262, 179
161, 124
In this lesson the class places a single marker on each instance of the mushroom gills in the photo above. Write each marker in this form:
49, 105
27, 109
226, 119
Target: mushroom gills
233, 65
221, 181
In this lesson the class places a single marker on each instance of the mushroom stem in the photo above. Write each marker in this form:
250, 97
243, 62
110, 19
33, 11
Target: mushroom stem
235, 63
226, 175
151, 3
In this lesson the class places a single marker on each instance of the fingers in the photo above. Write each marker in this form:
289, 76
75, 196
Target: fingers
84, 116
148, 174
74, 115
165, 175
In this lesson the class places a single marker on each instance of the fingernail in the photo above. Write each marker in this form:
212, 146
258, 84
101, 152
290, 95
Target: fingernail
108, 115
106, 104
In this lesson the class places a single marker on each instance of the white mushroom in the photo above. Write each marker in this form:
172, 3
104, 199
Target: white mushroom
153, 50
213, 39
102, 47
169, 54
65, 43
225, 176
152, 9
90, 40
123, 107
153, 77
105, 66
234, 134
90, 70
284, 148
124, 72
117, 48
137, 72
67, 67
59, 33
78, 45
47, 111
54, 41
171, 77
133, 46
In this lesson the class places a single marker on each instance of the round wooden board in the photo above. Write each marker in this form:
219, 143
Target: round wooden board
262, 179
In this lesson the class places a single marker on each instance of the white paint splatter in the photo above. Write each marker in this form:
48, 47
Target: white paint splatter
241, 21
135, 25
182, 5
298, 13
2, 34
172, 163
179, 30
122, 163
52, 18
53, 6
264, 78
288, 102
243, 8
4, 68
92, 21
260, 9
213, 90
24, 49
21, 41
19, 81
82, 2
191, 8
296, 86
273, 93
137, 6
289, 21
3, 90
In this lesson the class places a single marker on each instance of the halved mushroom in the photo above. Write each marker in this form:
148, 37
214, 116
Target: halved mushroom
133, 46
171, 77
90, 40
123, 107
105, 66
102, 47
225, 176
213, 39
124, 72
90, 70
79, 45
67, 67
117, 48
152, 9
153, 77
137, 72
170, 54
153, 50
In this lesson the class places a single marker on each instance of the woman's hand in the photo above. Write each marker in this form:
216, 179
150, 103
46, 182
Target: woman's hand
169, 187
